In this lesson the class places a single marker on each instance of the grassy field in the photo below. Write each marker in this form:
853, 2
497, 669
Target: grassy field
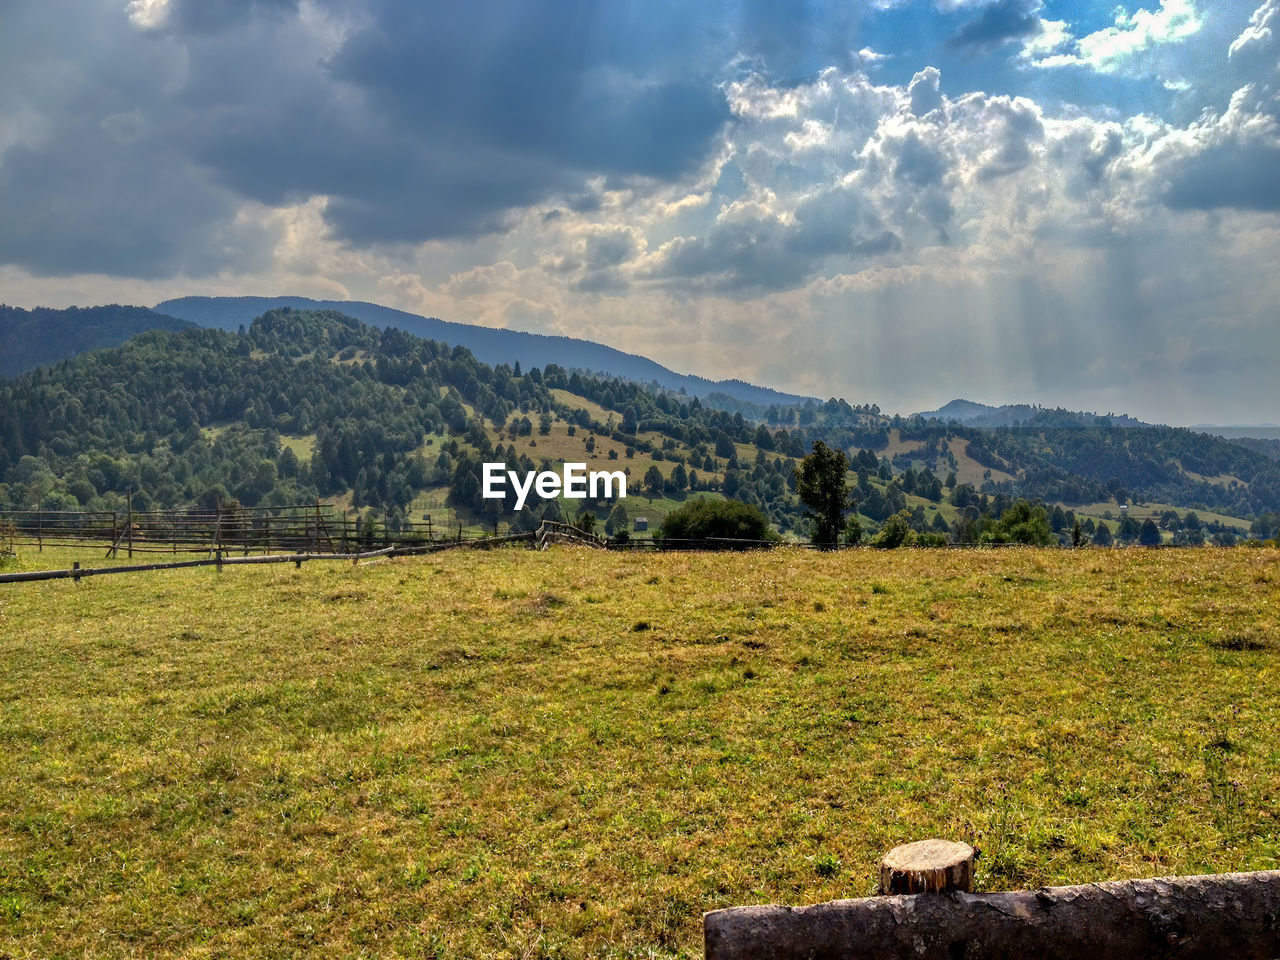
575, 753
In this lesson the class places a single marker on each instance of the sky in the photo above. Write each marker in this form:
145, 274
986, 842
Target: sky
892, 201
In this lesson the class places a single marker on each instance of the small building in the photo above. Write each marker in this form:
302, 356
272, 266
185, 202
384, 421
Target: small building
642, 524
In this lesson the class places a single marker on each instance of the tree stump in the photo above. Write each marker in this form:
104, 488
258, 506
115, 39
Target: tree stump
927, 866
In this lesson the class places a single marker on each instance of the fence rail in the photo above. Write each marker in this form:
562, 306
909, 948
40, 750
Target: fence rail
308, 528
546, 534
312, 528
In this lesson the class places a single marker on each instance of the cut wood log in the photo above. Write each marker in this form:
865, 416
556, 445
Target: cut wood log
927, 866
1234, 915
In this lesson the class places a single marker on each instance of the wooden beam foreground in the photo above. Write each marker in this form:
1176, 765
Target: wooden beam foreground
1231, 915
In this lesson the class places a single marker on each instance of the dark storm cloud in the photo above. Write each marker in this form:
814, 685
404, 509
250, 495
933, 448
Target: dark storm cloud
1245, 176
150, 124
918, 163
544, 80
98, 206
204, 16
1000, 22
95, 181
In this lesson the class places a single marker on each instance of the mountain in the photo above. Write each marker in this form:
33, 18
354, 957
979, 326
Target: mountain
975, 414
33, 338
488, 344
304, 405
314, 404
1059, 457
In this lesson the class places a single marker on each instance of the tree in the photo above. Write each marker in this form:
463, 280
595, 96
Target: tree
1149, 534
1102, 535
724, 445
617, 520
703, 519
679, 479
653, 482
895, 532
823, 485
1023, 522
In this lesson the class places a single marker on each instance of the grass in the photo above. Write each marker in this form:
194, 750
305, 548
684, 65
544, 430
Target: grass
302, 446
488, 755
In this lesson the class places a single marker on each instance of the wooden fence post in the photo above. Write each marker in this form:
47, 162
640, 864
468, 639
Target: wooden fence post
129, 528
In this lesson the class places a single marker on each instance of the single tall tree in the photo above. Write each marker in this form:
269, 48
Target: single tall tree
823, 485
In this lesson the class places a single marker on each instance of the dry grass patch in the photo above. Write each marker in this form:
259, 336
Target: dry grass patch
487, 754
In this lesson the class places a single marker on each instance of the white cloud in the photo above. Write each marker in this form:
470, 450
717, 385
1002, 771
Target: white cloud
924, 91
1259, 37
1117, 48
148, 14
1053, 40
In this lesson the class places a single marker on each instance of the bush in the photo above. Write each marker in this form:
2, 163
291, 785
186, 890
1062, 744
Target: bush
705, 519
895, 532
1023, 522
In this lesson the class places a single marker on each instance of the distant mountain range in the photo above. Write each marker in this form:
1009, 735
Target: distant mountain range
90, 425
488, 344
973, 414
43, 336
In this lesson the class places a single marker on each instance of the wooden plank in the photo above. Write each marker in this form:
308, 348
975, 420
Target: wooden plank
1234, 915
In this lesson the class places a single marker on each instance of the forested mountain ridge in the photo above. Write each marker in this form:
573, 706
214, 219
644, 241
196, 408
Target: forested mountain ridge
304, 405
33, 338
487, 344
974, 414
1063, 456
380, 416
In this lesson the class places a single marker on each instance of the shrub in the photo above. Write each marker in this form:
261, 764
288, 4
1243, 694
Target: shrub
1023, 522
705, 519
895, 532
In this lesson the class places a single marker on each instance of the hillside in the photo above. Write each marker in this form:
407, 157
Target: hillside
1061, 456
487, 344
307, 405
974, 414
43, 336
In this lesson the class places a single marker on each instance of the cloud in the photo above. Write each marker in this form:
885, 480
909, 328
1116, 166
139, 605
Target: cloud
1119, 48
796, 195
999, 23
1259, 39
411, 126
924, 91
1229, 161
200, 16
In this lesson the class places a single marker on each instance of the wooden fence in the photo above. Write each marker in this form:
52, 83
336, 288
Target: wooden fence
1235, 915
310, 528
541, 538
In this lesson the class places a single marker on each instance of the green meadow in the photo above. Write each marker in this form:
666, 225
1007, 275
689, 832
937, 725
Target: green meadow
575, 753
